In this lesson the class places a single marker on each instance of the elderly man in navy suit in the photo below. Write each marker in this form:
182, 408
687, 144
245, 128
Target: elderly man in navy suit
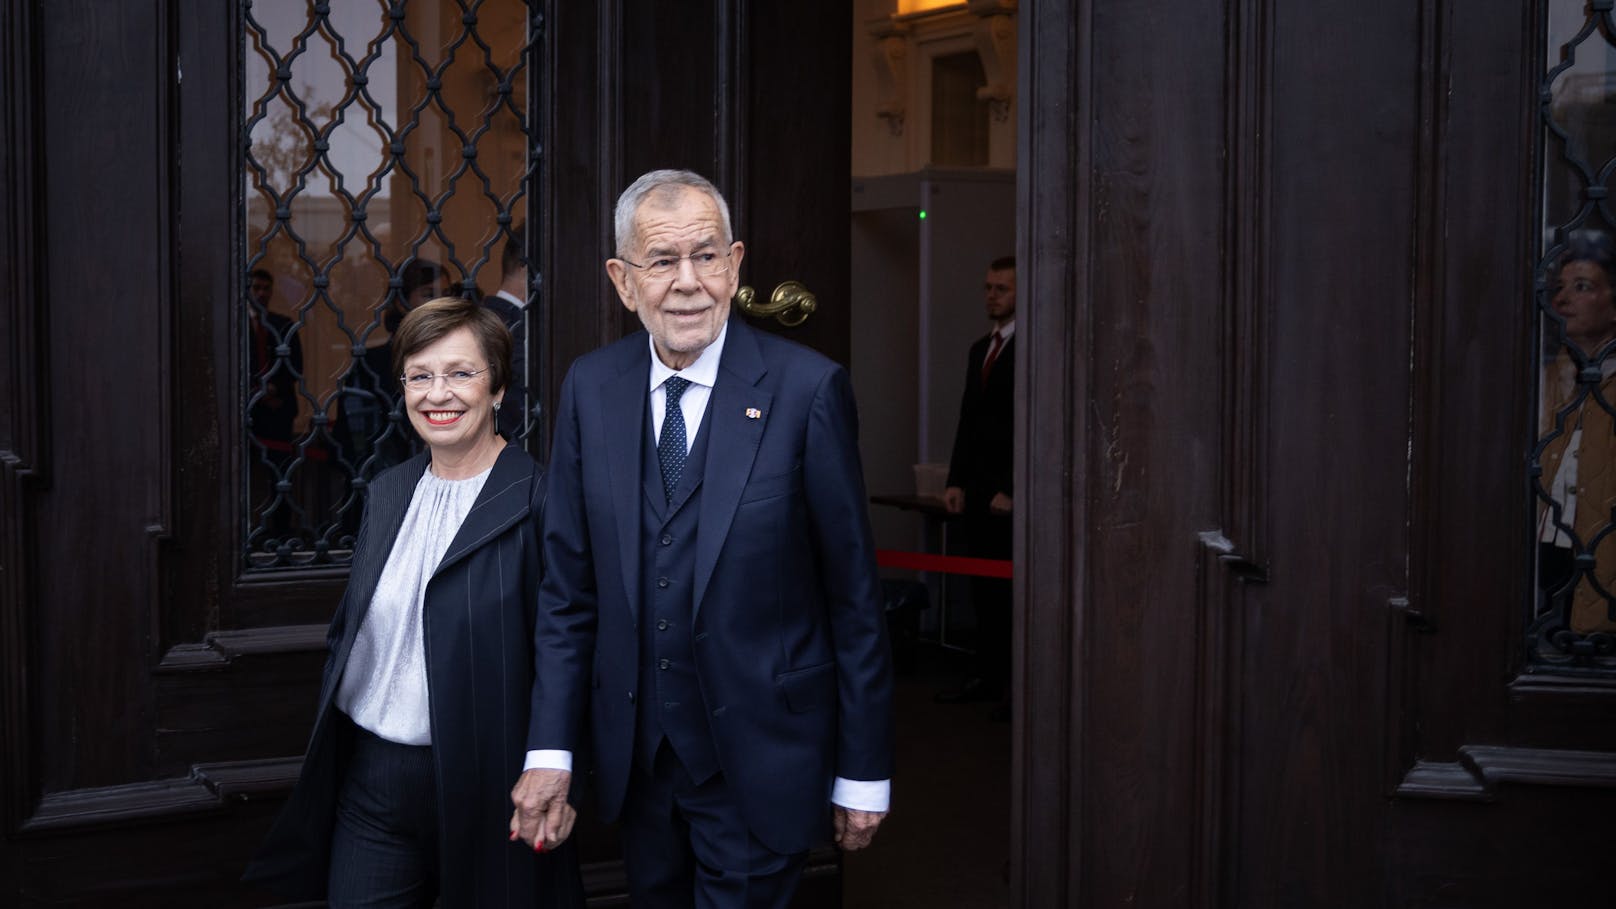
710, 589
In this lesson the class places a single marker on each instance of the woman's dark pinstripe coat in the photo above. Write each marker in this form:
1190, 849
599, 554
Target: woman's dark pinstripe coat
478, 617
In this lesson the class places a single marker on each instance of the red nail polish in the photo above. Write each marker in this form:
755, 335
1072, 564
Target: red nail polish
538, 845
514, 836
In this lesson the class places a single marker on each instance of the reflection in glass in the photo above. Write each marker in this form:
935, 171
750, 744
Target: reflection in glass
386, 160
1573, 458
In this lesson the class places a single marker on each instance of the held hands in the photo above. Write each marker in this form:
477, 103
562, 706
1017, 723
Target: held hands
543, 819
854, 828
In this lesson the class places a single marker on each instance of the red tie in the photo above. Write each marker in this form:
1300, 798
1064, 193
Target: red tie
993, 354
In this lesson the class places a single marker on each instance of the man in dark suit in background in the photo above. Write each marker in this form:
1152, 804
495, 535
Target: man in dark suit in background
273, 383
509, 302
981, 482
274, 365
710, 585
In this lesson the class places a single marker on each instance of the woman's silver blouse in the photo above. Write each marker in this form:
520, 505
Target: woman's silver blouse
384, 687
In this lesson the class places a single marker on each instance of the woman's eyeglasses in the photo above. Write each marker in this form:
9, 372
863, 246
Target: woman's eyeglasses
455, 378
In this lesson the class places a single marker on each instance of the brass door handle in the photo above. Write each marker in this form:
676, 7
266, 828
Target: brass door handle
791, 303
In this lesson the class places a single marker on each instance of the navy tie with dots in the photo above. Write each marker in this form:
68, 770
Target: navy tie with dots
671, 447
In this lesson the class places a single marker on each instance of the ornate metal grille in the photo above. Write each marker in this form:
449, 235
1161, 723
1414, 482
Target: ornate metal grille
387, 157
1572, 463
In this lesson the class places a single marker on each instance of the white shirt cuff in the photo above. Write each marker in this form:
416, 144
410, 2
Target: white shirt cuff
862, 795
548, 759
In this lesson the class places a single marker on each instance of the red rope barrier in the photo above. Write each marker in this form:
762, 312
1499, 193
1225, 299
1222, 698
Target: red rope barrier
920, 561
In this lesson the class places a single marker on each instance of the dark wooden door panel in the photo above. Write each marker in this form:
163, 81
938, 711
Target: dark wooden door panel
1357, 724
153, 704
794, 164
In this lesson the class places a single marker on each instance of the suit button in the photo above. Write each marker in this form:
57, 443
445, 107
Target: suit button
662, 582
667, 540
662, 625
663, 664
631, 697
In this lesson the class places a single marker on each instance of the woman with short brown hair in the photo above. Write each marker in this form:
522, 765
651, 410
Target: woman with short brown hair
421, 728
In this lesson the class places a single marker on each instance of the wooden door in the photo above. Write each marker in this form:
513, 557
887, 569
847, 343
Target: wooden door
152, 700
1277, 572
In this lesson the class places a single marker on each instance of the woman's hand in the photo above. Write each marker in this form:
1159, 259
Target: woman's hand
543, 819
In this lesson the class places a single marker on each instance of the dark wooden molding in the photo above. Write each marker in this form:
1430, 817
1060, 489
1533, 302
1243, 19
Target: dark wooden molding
162, 245
579, 177
206, 790
23, 428
244, 780
1054, 264
219, 649
1401, 740
1563, 689
1218, 614
732, 79
1482, 769
84, 809
201, 565
1227, 563
1247, 283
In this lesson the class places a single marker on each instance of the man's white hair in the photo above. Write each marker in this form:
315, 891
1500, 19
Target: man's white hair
628, 204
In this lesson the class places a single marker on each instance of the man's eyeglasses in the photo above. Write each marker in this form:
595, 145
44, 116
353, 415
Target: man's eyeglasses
663, 268
455, 378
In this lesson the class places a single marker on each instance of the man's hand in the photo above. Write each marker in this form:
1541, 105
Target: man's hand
854, 828
542, 818
954, 499
1001, 504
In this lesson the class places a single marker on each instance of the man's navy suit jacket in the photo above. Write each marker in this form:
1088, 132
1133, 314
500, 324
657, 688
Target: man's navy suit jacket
789, 636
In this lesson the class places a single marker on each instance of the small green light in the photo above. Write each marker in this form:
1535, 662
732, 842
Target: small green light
922, 214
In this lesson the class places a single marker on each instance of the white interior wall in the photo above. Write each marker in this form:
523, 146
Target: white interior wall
885, 365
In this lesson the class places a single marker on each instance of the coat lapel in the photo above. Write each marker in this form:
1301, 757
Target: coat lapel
389, 501
623, 418
736, 414
503, 501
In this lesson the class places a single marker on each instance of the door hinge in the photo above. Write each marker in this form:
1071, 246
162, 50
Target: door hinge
1415, 618
1243, 567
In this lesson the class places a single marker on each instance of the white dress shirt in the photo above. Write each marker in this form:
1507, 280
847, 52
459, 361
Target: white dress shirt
383, 687
511, 298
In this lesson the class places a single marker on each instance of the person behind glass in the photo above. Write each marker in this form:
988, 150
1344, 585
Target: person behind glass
370, 443
272, 393
274, 377
426, 701
711, 601
509, 302
1579, 462
981, 482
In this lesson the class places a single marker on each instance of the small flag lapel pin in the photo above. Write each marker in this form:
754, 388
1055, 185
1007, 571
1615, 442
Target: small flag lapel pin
752, 413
